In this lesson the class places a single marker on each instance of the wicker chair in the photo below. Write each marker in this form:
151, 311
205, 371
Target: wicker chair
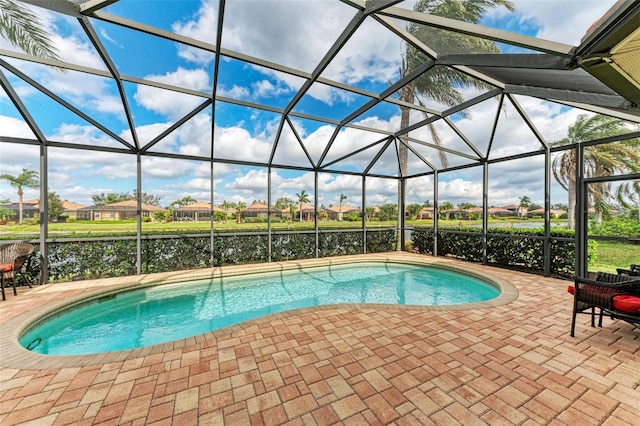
633, 271
13, 258
617, 296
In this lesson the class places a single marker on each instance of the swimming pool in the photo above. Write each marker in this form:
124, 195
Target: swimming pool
163, 313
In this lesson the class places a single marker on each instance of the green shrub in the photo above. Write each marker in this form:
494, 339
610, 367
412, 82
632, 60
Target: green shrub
509, 247
116, 256
617, 226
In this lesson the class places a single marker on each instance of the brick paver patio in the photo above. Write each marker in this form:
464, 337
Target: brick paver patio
509, 364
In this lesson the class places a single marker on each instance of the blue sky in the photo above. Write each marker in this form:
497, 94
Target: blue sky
295, 34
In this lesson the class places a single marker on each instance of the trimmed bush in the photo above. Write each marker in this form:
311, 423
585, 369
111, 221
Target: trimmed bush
508, 247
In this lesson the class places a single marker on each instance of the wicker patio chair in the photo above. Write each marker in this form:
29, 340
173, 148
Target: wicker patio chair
617, 296
633, 271
13, 258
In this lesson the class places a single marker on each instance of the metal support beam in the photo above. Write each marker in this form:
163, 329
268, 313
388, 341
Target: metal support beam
269, 214
436, 215
44, 208
364, 216
546, 249
402, 193
139, 214
581, 212
485, 209
315, 216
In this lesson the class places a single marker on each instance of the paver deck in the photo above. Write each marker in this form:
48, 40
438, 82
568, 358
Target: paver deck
508, 364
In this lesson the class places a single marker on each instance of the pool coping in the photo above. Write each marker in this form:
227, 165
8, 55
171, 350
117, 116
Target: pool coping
16, 356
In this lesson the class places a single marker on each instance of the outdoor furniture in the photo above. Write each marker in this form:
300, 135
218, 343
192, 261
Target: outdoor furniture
634, 271
2, 281
12, 261
617, 296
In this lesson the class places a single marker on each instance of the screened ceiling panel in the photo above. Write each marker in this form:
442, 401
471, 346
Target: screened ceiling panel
13, 120
512, 135
290, 150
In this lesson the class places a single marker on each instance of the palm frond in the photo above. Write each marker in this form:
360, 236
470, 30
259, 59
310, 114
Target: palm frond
20, 27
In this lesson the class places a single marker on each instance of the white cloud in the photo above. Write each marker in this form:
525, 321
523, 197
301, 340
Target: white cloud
202, 27
235, 92
238, 143
171, 104
15, 128
252, 183
565, 21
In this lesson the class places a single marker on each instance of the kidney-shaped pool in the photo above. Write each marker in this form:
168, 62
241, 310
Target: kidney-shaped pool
152, 315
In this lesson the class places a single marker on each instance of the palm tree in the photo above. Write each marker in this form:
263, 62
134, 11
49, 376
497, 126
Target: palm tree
239, 206
22, 28
442, 84
342, 198
525, 201
303, 197
26, 179
628, 194
599, 160
226, 206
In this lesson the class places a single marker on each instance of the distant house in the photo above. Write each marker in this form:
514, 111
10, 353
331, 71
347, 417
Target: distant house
71, 209
74, 210
28, 211
122, 210
260, 210
516, 209
425, 213
308, 212
553, 213
462, 214
197, 212
339, 212
31, 209
499, 212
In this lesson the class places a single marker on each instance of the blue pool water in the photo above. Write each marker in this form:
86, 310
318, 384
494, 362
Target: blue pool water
160, 314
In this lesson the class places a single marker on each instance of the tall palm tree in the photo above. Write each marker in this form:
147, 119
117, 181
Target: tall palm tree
599, 160
442, 84
26, 179
342, 198
525, 201
22, 28
303, 197
225, 206
239, 206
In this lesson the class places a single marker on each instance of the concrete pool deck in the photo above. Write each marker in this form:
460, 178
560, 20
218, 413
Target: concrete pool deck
508, 361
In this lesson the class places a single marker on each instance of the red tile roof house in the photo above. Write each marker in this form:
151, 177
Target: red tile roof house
122, 210
198, 212
308, 212
260, 210
339, 212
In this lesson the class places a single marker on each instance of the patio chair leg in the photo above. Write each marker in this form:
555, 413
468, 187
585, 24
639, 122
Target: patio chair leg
593, 316
600, 320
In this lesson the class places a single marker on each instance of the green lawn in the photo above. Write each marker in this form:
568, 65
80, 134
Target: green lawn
614, 254
115, 227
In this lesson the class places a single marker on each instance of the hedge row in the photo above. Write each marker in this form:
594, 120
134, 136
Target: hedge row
86, 259
508, 247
